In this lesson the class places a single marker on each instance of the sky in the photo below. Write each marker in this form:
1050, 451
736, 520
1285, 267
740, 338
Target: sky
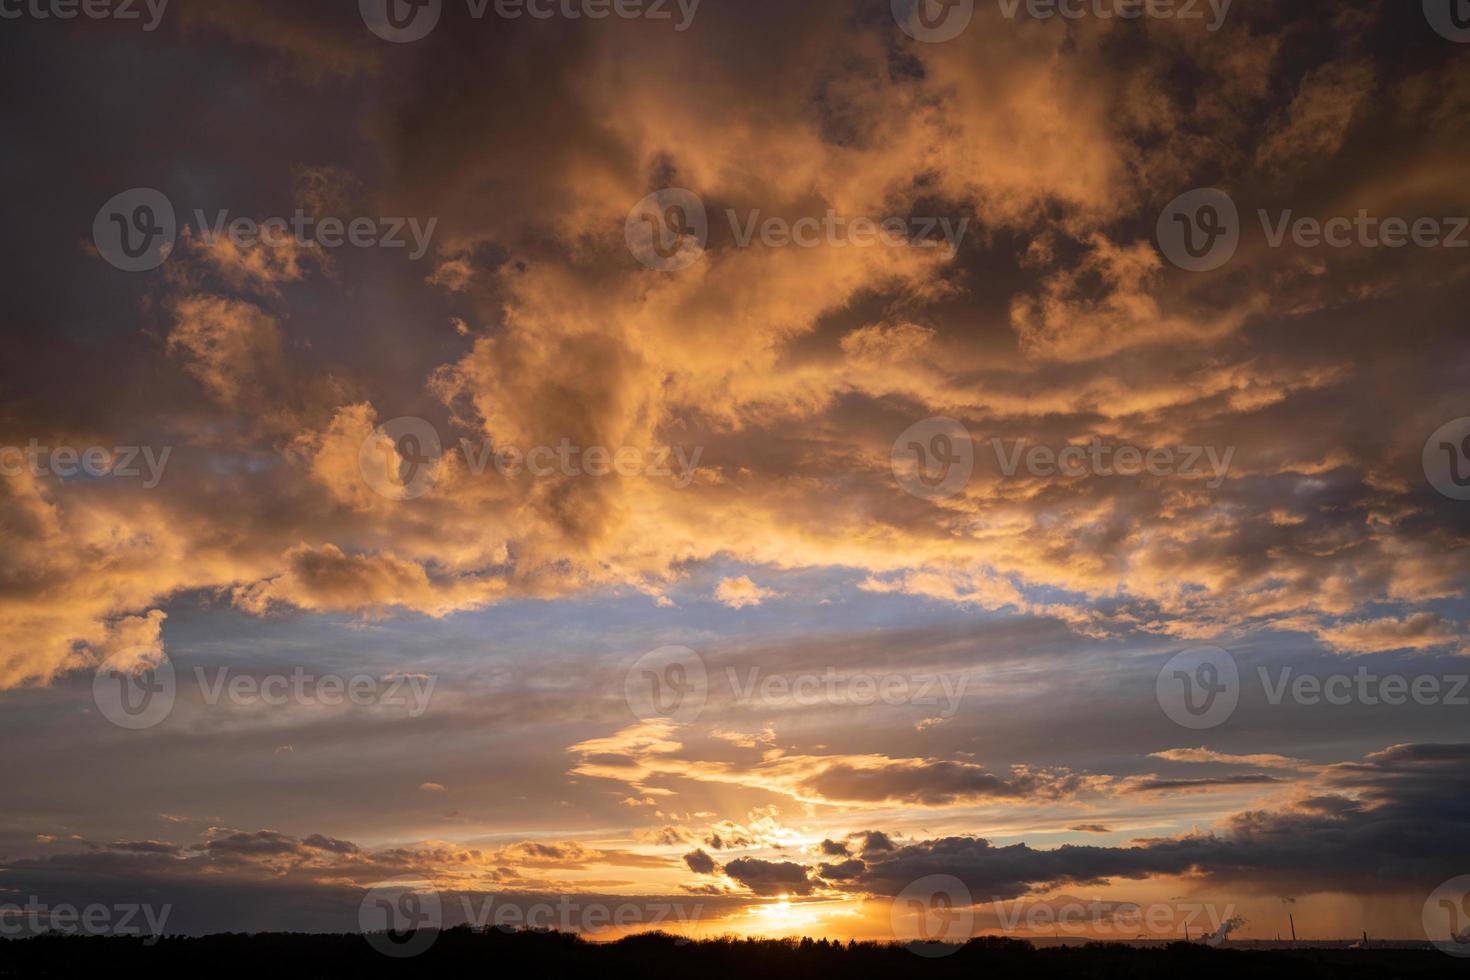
846, 468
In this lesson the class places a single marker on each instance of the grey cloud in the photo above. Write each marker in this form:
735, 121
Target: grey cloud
771, 877
699, 862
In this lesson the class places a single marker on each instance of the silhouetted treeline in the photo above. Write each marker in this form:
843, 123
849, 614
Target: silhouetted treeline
465, 952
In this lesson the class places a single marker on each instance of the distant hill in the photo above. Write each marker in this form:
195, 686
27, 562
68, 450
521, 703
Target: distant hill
466, 952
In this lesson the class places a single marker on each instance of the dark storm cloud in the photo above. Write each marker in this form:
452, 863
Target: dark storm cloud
842, 870
1403, 828
771, 877
874, 842
934, 783
699, 862
144, 847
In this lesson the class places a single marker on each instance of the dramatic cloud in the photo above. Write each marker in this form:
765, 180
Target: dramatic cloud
1370, 833
1056, 322
770, 877
700, 862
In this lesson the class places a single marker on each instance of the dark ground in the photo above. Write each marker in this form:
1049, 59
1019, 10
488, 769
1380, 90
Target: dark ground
463, 952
